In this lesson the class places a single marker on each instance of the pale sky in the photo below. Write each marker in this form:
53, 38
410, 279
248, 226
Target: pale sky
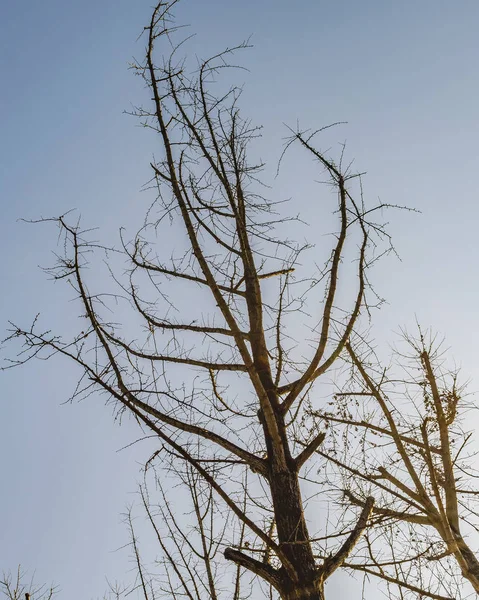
405, 77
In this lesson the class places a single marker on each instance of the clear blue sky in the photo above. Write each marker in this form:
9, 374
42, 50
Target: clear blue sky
405, 77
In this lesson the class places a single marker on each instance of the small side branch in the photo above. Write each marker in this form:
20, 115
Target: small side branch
310, 449
175, 359
417, 519
402, 584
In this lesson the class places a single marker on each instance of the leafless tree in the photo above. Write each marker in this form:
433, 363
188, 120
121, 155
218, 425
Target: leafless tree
19, 586
184, 556
228, 386
400, 433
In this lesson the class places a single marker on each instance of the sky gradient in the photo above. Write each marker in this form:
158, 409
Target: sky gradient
403, 74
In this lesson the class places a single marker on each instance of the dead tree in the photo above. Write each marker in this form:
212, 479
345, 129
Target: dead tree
400, 434
223, 387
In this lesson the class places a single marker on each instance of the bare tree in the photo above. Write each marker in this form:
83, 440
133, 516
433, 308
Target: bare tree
226, 387
19, 586
399, 433
189, 542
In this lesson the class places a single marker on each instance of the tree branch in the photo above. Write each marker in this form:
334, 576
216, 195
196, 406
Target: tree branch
331, 564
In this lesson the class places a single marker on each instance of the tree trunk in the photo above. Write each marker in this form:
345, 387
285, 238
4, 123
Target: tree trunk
293, 538
291, 526
467, 560
315, 591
